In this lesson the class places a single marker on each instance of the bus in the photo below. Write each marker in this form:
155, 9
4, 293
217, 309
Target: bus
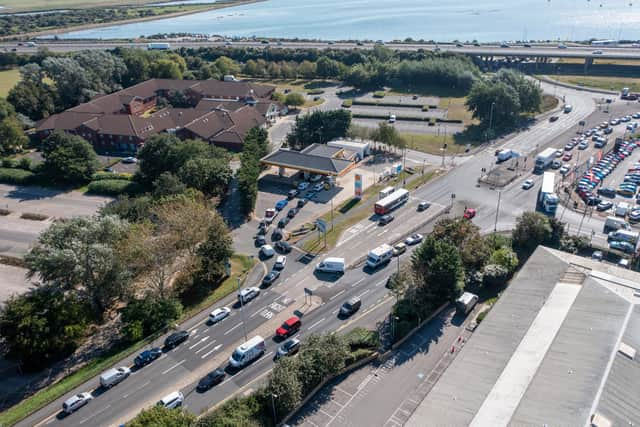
391, 202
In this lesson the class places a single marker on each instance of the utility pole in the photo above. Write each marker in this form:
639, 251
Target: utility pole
398, 263
332, 214
404, 166
495, 224
244, 326
493, 104
273, 406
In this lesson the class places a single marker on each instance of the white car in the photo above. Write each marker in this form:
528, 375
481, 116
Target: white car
399, 248
281, 261
129, 160
267, 251
247, 294
315, 178
172, 400
414, 239
76, 402
527, 184
218, 314
564, 170
318, 187
303, 186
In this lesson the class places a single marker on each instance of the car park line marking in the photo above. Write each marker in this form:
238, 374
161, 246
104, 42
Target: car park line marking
316, 324
141, 387
229, 331
95, 413
356, 284
209, 352
336, 295
205, 346
174, 366
199, 342
360, 296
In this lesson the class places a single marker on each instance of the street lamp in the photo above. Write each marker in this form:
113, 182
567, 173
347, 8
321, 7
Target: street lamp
273, 406
493, 104
244, 326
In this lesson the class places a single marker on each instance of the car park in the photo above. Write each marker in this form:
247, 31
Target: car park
76, 402
414, 239
604, 206
527, 184
247, 294
288, 348
175, 339
385, 219
289, 327
219, 314
283, 247
281, 204
267, 251
270, 278
147, 357
212, 378
172, 400
399, 249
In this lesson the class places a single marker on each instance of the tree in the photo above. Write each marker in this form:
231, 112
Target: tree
105, 70
42, 326
227, 65
68, 158
78, 255
168, 184
437, 267
532, 229
320, 356
278, 97
215, 251
165, 69
159, 416
506, 258
143, 317
464, 235
12, 137
72, 81
284, 383
328, 68
294, 99
209, 175
155, 157
496, 104
319, 127
529, 94
35, 101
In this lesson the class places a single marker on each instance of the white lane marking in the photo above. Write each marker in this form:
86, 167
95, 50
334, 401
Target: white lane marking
380, 283
195, 331
174, 366
205, 346
50, 421
214, 349
141, 387
380, 234
229, 331
259, 310
94, 414
316, 324
335, 311
336, 295
356, 284
360, 296
199, 342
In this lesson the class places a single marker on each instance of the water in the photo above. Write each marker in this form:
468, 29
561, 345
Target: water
441, 20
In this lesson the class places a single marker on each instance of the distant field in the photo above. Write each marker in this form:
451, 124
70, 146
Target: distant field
8, 79
606, 83
12, 5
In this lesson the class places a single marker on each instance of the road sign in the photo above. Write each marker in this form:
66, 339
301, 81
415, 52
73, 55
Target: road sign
322, 225
308, 291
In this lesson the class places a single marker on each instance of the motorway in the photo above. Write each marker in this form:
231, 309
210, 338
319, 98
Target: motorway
209, 346
535, 51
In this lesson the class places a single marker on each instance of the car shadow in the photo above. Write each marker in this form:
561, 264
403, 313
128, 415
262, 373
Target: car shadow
327, 277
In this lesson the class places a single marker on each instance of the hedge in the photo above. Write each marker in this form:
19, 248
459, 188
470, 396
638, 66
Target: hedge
379, 94
34, 216
315, 92
393, 104
99, 176
16, 176
347, 103
113, 187
406, 118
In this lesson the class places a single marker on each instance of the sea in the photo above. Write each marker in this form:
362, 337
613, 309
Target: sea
438, 20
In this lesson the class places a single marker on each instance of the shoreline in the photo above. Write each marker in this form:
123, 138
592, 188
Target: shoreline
213, 6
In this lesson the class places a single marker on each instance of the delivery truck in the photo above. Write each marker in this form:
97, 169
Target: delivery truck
379, 256
547, 198
544, 160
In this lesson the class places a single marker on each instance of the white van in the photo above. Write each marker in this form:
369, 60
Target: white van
113, 376
624, 236
379, 256
248, 352
392, 118
172, 400
331, 265
613, 223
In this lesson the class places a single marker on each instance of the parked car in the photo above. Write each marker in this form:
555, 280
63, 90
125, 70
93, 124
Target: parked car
564, 170
527, 184
130, 160
76, 402
219, 314
318, 187
247, 294
283, 222
147, 357
292, 194
270, 278
399, 249
301, 203
211, 379
175, 339
385, 219
113, 376
292, 212
567, 157
625, 247
288, 348
260, 240
281, 204
604, 206
315, 178
283, 246
303, 186
172, 400
414, 239
281, 261
556, 164
469, 213
267, 251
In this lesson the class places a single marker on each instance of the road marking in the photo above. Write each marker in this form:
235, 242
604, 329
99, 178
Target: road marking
214, 349
95, 413
384, 231
175, 366
360, 296
199, 342
335, 311
259, 310
316, 324
206, 346
380, 283
195, 330
229, 331
356, 284
336, 295
141, 387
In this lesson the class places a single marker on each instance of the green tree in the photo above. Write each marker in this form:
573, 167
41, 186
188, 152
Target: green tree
155, 158
159, 416
328, 68
506, 258
215, 251
532, 229
105, 70
319, 127
168, 184
42, 326
294, 99
285, 385
278, 97
34, 100
438, 271
150, 315
72, 81
137, 62
78, 255
464, 235
227, 65
165, 69
209, 175
12, 137
495, 104
529, 94
319, 357
237, 411
68, 158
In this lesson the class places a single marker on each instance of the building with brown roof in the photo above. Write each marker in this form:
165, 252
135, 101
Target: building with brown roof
222, 112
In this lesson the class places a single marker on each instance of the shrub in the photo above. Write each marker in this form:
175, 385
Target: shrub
24, 163
506, 258
99, 176
8, 163
34, 216
315, 92
347, 103
144, 317
113, 187
379, 94
432, 121
495, 275
482, 315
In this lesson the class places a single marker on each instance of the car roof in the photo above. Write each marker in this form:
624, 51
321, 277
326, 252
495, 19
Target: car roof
292, 320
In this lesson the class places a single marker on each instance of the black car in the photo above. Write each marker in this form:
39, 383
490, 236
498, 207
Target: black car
147, 357
283, 222
260, 240
292, 212
385, 219
423, 206
271, 277
176, 339
283, 247
211, 379
592, 201
607, 192
292, 193
302, 202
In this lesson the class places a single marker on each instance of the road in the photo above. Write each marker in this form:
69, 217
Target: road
209, 346
519, 51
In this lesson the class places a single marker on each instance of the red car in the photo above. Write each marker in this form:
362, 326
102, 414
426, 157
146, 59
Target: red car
469, 213
567, 157
289, 327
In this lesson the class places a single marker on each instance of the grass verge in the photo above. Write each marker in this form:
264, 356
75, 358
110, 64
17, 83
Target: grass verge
456, 109
549, 102
606, 83
431, 143
240, 265
8, 80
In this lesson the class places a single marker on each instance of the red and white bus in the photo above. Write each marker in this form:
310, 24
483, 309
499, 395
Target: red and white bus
392, 201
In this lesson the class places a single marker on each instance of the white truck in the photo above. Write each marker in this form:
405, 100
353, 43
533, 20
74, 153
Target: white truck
544, 159
379, 256
247, 352
158, 46
466, 302
504, 155
113, 376
612, 224
547, 198
229, 78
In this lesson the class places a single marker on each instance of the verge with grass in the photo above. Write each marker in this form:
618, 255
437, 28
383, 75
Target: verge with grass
8, 79
432, 143
598, 82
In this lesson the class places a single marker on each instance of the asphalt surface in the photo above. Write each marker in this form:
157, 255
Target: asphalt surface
573, 51
209, 346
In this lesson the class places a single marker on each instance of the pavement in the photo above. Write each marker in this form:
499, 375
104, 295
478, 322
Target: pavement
13, 281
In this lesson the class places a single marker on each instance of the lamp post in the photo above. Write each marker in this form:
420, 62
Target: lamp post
493, 104
495, 224
273, 406
244, 326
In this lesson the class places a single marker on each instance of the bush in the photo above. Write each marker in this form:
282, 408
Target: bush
379, 94
143, 317
99, 176
8, 163
34, 216
347, 103
506, 258
495, 275
113, 187
361, 338
16, 176
482, 315
315, 92
24, 163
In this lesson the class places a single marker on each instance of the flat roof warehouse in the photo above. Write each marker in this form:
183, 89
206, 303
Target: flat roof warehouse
557, 349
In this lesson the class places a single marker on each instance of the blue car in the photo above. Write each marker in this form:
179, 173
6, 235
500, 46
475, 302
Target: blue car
625, 247
147, 357
281, 204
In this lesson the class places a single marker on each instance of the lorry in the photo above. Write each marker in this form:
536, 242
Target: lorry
466, 302
612, 224
624, 236
247, 352
504, 155
379, 256
158, 46
547, 198
544, 159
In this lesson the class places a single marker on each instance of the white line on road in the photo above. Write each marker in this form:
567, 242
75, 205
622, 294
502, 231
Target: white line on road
175, 366
360, 296
141, 387
316, 324
94, 414
205, 346
380, 283
356, 284
214, 349
229, 331
335, 311
199, 342
336, 295
384, 231
259, 310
